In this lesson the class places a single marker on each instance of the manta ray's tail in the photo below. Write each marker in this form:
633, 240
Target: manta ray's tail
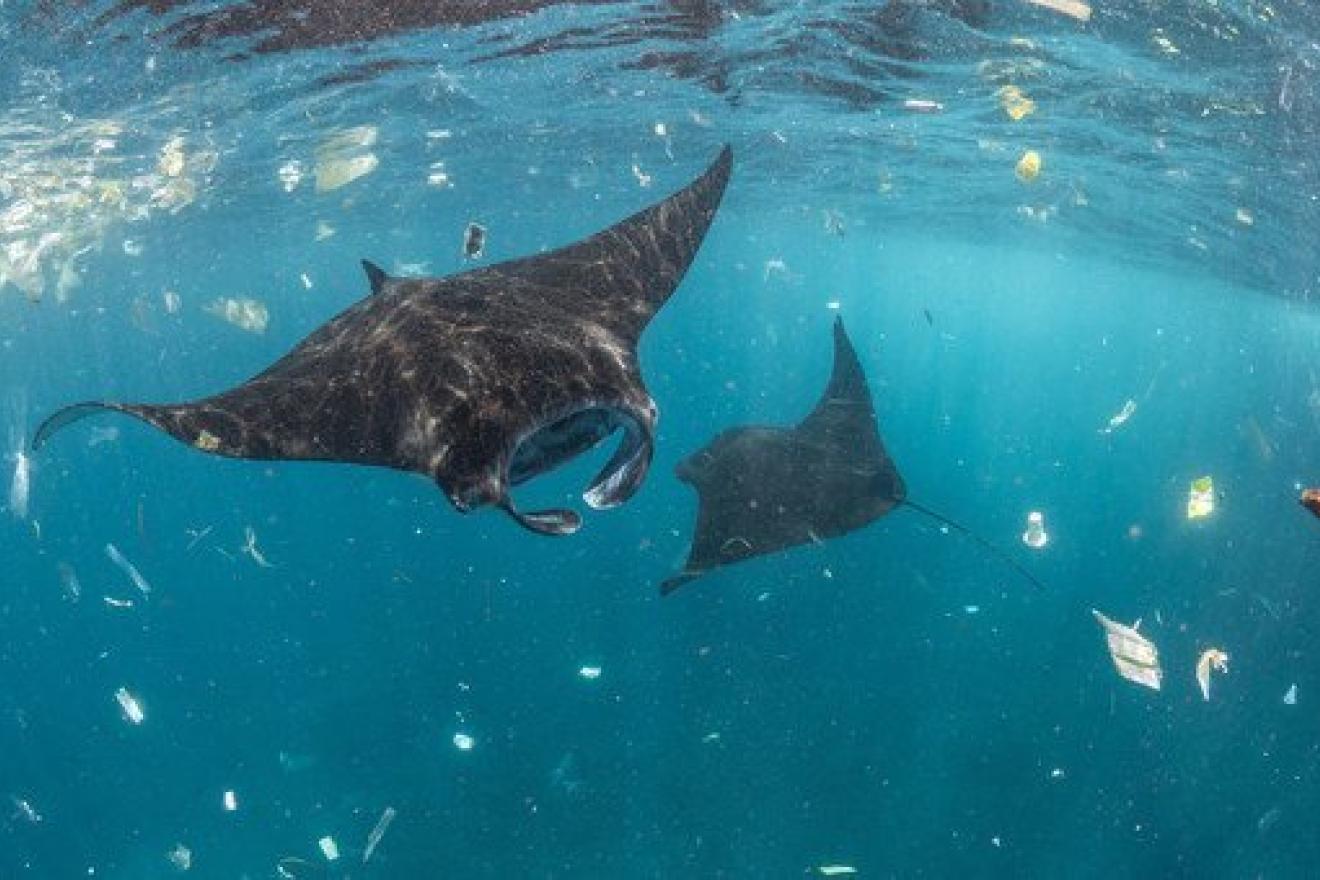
986, 545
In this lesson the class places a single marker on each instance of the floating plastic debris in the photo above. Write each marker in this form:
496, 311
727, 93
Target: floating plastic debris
836, 870
324, 230
1135, 657
24, 810
1310, 499
1163, 42
329, 848
132, 248
20, 485
1201, 498
1244, 217
1072, 8
590, 673
373, 839
922, 105
117, 603
69, 581
171, 160
463, 742
128, 568
474, 241
1211, 660
1290, 695
643, 179
334, 173
1035, 536
131, 707
438, 176
1016, 105
345, 157
290, 175
1028, 167
180, 857
244, 313
251, 549
173, 302
229, 800
306, 281
1119, 419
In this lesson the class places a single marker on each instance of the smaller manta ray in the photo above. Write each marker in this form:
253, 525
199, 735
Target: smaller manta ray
480, 381
765, 489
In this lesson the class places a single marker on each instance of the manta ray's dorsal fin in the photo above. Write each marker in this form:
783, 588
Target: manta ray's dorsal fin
623, 275
376, 276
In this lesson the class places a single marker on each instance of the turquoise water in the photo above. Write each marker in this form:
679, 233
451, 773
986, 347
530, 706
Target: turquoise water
895, 700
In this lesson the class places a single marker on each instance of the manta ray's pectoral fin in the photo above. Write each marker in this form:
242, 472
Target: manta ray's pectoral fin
624, 473
668, 585
543, 522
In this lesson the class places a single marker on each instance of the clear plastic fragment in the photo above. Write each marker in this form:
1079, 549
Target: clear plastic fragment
1135, 657
373, 839
131, 707
128, 568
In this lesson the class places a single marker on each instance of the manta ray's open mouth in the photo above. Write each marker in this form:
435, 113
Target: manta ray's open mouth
557, 441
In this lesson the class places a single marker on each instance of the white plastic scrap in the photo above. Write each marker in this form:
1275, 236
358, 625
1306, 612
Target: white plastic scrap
229, 800
132, 708
128, 568
345, 157
836, 870
329, 848
373, 839
590, 673
1135, 657
1035, 536
251, 549
180, 857
1211, 660
1290, 696
1118, 419
463, 742
24, 810
20, 485
244, 313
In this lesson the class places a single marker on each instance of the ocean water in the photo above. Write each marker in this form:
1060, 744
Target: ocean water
896, 701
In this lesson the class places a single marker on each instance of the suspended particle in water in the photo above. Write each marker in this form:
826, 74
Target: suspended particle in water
180, 857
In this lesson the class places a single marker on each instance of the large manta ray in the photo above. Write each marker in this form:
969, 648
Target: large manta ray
765, 489
481, 380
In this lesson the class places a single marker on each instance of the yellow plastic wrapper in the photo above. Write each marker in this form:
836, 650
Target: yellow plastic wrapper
1135, 657
1015, 103
1201, 498
1028, 167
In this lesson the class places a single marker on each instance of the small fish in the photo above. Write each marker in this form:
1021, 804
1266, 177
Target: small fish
929, 320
